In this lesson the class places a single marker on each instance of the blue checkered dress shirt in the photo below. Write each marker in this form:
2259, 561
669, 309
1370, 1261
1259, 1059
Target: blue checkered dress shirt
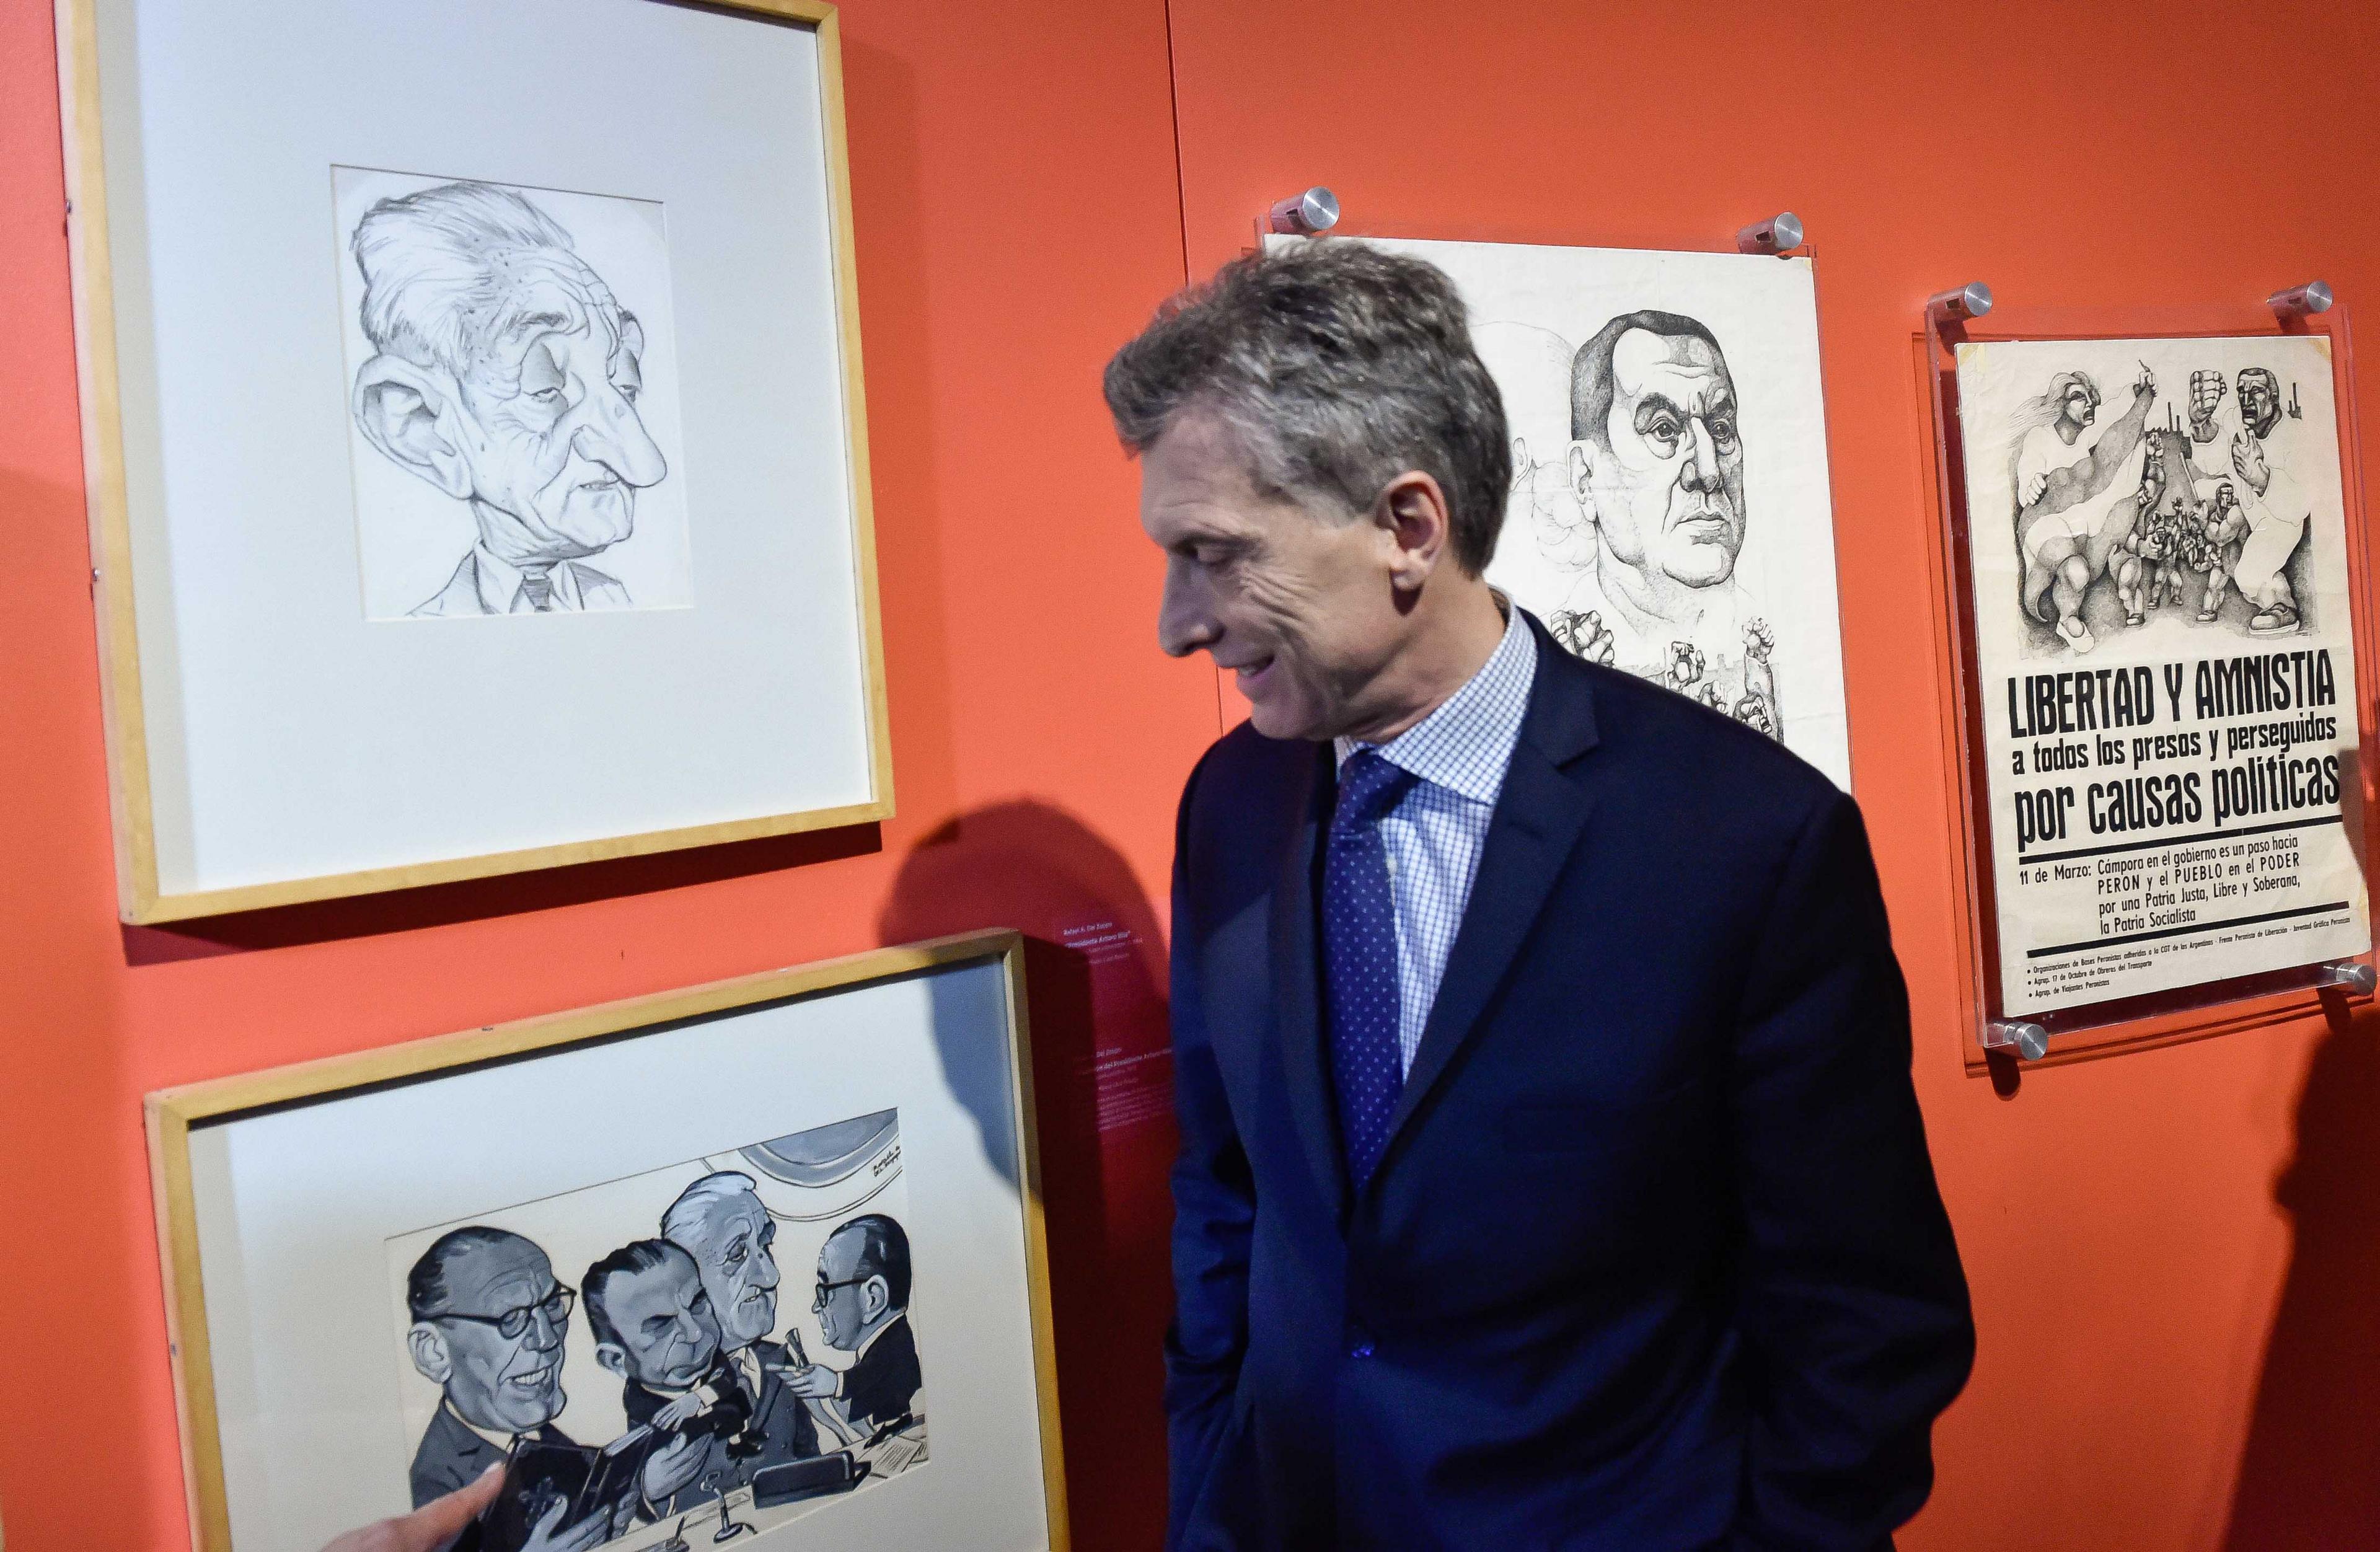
1434, 836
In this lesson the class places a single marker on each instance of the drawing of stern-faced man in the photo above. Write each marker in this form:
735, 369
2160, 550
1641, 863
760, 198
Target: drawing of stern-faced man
505, 374
721, 1222
2276, 508
1656, 464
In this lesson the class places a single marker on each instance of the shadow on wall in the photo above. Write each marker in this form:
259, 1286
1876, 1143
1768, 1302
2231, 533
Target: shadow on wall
2310, 1476
1094, 968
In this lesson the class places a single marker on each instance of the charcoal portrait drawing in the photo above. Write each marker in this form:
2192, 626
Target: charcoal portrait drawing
505, 366
1669, 514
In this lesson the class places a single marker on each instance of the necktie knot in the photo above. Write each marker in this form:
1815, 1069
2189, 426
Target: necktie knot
537, 586
1368, 788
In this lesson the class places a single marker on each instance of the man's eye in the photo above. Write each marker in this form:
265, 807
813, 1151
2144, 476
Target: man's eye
1723, 434
629, 391
546, 395
701, 1303
736, 1256
1663, 431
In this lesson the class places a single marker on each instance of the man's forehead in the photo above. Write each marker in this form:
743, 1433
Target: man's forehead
506, 1267
1643, 361
841, 1251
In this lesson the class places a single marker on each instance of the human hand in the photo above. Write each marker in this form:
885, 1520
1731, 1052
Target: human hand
2248, 461
1759, 639
2031, 491
2144, 385
432, 1525
548, 1534
682, 1411
1583, 635
670, 1468
815, 1383
2207, 391
1687, 664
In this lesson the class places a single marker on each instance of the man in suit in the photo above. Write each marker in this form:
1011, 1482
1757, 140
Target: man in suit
505, 374
722, 1223
489, 1327
1550, 1173
655, 1327
863, 1309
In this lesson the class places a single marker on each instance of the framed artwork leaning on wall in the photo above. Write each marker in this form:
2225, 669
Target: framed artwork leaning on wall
475, 437
765, 1253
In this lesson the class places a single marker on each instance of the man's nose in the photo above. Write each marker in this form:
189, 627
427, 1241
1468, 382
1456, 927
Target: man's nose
764, 1271
544, 1331
1702, 462
613, 435
1184, 625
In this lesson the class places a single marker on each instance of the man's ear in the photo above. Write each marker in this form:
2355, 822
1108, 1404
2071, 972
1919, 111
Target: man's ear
401, 410
427, 1345
614, 1357
875, 1298
1413, 510
1582, 477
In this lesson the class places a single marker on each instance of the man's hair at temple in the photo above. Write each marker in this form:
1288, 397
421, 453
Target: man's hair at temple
883, 1252
641, 1256
442, 269
426, 1294
1591, 388
1335, 367
683, 1221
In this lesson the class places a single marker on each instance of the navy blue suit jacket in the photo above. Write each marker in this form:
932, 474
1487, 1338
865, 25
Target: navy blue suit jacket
1654, 1259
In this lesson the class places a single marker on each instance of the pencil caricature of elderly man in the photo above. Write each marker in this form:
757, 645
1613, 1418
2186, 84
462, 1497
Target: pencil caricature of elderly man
506, 374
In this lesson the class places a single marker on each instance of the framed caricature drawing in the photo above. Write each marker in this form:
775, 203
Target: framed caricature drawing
764, 1253
475, 438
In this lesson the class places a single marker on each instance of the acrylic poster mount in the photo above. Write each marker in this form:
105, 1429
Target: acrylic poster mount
2077, 1027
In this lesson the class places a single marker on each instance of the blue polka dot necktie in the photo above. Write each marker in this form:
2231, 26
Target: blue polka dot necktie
1360, 990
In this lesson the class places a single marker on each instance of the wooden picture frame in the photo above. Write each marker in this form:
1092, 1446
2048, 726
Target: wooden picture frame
149, 895
180, 1120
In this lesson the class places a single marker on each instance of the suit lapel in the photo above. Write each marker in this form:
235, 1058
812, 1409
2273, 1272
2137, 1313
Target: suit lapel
1297, 980
1539, 814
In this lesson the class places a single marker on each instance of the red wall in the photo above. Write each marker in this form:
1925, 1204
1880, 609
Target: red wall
2170, 1250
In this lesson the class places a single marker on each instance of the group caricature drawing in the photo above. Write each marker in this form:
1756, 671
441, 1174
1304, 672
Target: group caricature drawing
2203, 516
730, 1408
501, 348
1670, 513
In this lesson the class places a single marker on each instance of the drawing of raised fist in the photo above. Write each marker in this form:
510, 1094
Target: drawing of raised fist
2207, 391
1584, 635
1753, 711
1685, 666
2144, 385
2248, 461
1710, 696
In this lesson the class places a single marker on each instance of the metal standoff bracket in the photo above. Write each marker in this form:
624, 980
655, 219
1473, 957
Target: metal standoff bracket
1971, 300
1306, 215
2027, 1038
2299, 301
2350, 974
1778, 234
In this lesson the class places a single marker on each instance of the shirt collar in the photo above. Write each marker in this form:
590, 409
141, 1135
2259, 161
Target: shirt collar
500, 583
1466, 744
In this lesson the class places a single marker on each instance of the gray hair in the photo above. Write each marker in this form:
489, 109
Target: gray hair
442, 269
687, 1220
1335, 366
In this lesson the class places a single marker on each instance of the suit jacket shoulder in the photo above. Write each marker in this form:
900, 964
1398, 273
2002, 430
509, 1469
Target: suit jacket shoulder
460, 596
887, 1379
598, 590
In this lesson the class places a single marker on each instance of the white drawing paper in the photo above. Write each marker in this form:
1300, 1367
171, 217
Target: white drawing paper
512, 397
2164, 660
1670, 511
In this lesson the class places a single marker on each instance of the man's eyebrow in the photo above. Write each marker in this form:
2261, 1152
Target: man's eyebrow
1650, 404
